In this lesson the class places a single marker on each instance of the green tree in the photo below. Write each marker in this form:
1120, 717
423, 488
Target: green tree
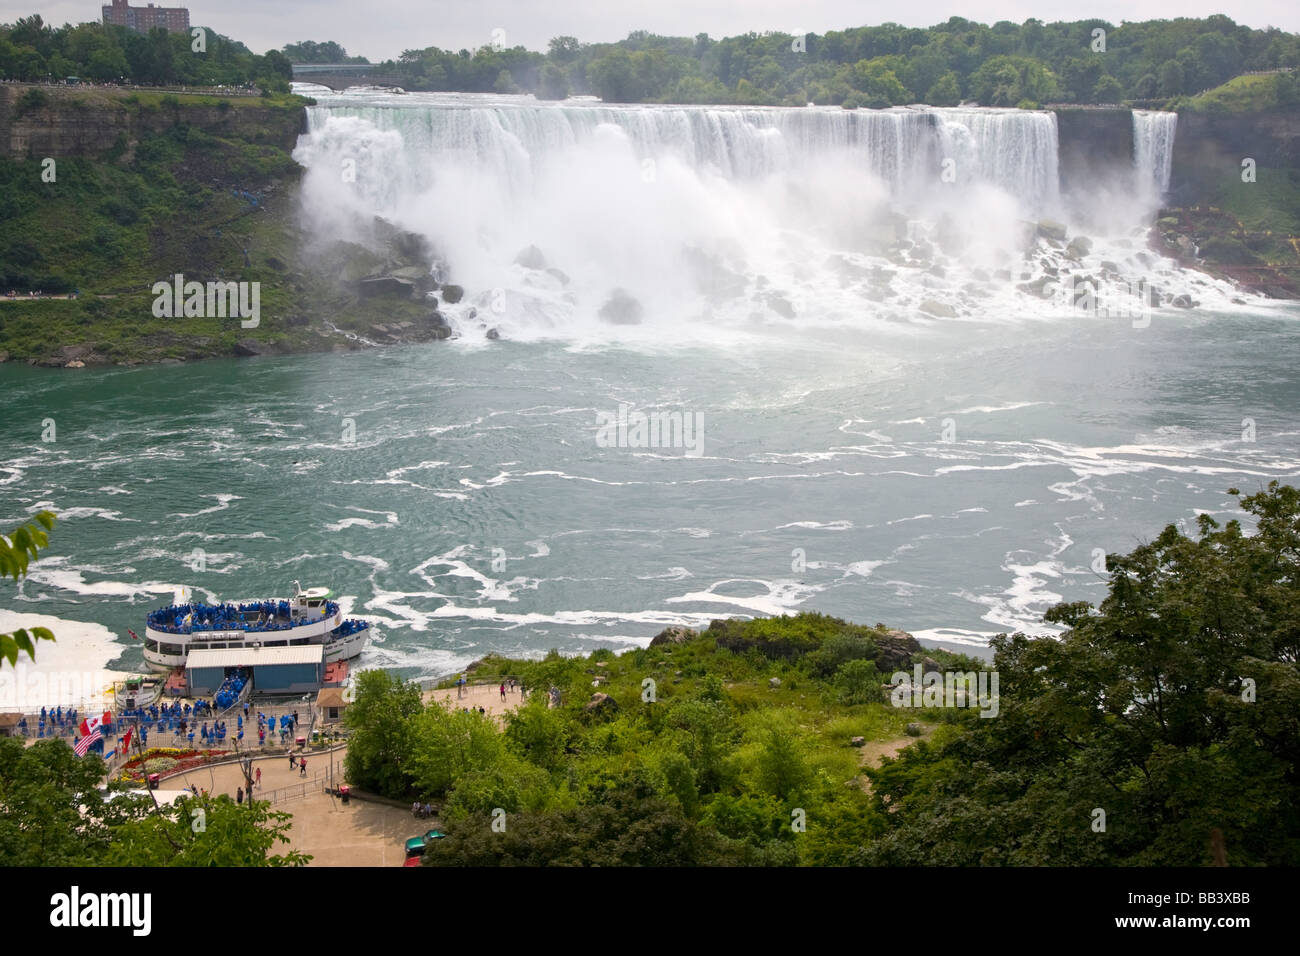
43, 790
207, 832
554, 83
447, 744
1107, 90
945, 92
1170, 79
380, 722
1147, 87
1174, 706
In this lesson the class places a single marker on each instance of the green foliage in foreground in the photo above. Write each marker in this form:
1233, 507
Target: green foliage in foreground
18, 550
1173, 708
53, 814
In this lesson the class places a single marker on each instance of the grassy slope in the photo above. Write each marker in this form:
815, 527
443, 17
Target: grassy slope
1244, 94
112, 226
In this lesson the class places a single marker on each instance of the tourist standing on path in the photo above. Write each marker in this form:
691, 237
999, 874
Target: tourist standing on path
239, 795
302, 767
293, 761
259, 778
503, 691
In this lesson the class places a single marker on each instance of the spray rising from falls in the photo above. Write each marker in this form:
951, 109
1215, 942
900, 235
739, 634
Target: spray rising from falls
583, 219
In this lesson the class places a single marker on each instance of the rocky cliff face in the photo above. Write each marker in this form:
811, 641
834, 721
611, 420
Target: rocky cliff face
90, 123
1094, 148
1210, 146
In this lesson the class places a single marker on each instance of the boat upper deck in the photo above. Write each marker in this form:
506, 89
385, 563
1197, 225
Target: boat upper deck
257, 616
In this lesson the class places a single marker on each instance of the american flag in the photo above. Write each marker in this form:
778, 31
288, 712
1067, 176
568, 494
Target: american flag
90, 734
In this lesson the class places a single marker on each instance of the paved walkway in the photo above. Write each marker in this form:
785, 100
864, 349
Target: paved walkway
486, 696
359, 834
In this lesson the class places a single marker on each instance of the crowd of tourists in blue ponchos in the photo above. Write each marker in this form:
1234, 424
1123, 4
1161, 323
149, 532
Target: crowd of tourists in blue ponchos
350, 627
52, 722
229, 691
187, 720
254, 616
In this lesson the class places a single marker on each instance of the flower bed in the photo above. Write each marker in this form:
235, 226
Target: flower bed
167, 761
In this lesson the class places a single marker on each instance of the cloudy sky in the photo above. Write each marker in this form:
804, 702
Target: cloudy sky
380, 29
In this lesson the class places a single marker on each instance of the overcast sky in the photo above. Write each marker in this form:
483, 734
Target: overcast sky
381, 29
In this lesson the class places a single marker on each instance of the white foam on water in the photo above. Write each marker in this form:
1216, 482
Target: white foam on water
70, 670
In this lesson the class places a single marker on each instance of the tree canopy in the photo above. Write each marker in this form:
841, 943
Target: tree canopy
32, 50
1086, 61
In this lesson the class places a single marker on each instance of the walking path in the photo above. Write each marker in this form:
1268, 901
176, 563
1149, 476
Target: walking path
487, 696
358, 834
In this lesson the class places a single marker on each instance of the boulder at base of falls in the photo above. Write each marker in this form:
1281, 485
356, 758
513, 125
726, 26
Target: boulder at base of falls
1079, 247
436, 323
451, 294
621, 309
1051, 229
938, 309
1044, 287
531, 258
1183, 301
493, 334
780, 305
385, 285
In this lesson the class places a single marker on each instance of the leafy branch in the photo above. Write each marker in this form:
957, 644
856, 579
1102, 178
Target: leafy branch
18, 550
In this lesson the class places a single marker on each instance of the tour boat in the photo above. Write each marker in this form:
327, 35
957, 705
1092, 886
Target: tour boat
309, 617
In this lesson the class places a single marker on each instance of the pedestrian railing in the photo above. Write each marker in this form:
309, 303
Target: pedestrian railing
316, 783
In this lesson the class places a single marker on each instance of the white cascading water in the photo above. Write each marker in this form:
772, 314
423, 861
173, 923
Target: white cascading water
707, 217
1153, 148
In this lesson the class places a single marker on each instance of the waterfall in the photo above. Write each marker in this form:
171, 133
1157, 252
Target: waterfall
1153, 148
1013, 150
572, 218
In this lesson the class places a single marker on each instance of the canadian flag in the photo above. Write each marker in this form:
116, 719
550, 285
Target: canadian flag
90, 734
91, 724
126, 740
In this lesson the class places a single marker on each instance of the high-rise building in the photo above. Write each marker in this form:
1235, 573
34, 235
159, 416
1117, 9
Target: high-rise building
144, 19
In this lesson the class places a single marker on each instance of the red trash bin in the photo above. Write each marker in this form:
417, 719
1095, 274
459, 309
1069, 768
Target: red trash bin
302, 741
153, 781
344, 792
